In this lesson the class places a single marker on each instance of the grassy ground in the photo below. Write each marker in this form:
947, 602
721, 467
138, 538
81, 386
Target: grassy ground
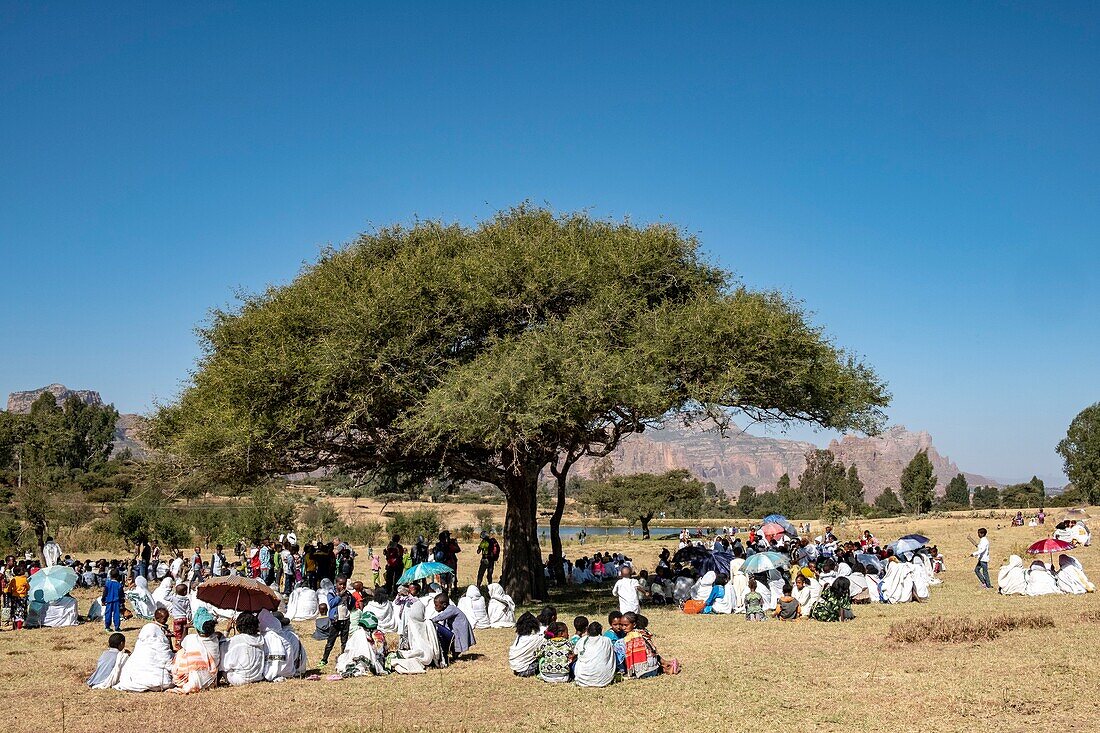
736, 675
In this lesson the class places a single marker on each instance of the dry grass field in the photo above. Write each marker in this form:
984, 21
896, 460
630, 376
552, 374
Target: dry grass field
737, 676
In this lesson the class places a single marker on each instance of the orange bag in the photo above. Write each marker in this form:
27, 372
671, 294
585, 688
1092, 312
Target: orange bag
694, 606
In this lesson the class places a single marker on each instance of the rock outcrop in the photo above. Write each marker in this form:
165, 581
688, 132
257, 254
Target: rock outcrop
740, 459
21, 401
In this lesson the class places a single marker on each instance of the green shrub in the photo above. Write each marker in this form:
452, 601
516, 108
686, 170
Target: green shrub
427, 522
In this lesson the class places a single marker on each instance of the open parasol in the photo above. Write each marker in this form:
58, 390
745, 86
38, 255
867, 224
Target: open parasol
762, 562
52, 582
233, 592
771, 530
1050, 545
424, 570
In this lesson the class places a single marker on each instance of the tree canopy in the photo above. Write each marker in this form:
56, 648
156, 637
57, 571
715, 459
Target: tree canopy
1080, 450
642, 496
918, 484
486, 353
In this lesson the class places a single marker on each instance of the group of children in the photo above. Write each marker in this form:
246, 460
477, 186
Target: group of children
591, 657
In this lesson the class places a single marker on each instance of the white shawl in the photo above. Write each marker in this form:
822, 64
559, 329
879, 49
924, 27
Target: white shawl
160, 595
141, 600
1071, 576
360, 657
1040, 581
387, 618
920, 580
897, 584
473, 605
423, 640
244, 660
108, 670
524, 651
702, 588
595, 666
149, 668
1012, 578
501, 608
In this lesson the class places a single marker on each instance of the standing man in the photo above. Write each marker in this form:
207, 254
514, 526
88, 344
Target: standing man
982, 553
395, 554
217, 561
489, 549
51, 552
265, 562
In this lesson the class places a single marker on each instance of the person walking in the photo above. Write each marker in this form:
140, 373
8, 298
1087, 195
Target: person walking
981, 569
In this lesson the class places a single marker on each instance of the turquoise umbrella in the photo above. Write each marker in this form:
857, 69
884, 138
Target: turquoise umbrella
762, 562
424, 570
54, 583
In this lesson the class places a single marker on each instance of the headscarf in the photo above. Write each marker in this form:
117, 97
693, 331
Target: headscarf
501, 608
420, 640
368, 621
201, 616
473, 606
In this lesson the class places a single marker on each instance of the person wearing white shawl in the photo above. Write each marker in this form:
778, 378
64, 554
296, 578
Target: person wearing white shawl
362, 656
682, 589
702, 588
473, 606
523, 654
428, 600
419, 647
55, 614
245, 657
1040, 581
874, 585
1071, 576
897, 584
140, 599
857, 584
1079, 533
302, 605
108, 669
165, 589
929, 568
776, 580
728, 601
595, 665
1012, 578
920, 580
501, 608
803, 594
197, 661
383, 611
149, 668
276, 647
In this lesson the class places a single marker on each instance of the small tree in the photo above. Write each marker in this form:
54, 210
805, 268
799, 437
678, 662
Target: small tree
746, 500
888, 504
833, 512
918, 484
958, 491
484, 519
986, 497
639, 497
1080, 450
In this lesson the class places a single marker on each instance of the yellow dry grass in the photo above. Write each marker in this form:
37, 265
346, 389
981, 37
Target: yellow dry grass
737, 676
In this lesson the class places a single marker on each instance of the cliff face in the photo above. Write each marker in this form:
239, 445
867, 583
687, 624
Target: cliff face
127, 429
21, 401
739, 459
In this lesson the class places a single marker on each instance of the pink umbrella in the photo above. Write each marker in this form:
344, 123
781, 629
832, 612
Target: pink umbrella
771, 530
1050, 545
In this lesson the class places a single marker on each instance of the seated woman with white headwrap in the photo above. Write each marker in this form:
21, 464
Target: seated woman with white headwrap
897, 583
165, 589
276, 647
1040, 581
1012, 578
857, 584
473, 605
55, 614
149, 668
920, 580
1071, 576
245, 657
419, 646
140, 599
302, 604
384, 611
501, 608
702, 588
726, 603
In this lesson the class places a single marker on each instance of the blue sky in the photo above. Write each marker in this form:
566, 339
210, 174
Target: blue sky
922, 176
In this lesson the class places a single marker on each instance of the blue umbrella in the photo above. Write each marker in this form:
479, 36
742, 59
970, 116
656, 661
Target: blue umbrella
777, 518
762, 562
916, 537
424, 570
904, 546
869, 560
719, 562
53, 582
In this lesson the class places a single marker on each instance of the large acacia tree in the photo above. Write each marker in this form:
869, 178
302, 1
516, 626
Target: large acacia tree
490, 353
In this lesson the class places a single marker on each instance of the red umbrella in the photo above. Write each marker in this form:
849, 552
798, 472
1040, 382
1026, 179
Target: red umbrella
1050, 545
771, 530
236, 593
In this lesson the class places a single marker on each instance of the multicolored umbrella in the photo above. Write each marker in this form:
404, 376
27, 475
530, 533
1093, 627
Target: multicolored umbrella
424, 570
237, 593
53, 583
762, 562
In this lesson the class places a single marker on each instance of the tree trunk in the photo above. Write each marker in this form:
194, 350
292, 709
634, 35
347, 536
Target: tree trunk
557, 568
645, 527
522, 575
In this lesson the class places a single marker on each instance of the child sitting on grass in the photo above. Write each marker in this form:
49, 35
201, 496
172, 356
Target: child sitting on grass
642, 659
580, 629
109, 667
556, 655
754, 603
787, 607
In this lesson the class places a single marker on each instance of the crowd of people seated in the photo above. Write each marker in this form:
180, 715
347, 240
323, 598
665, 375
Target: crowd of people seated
1041, 579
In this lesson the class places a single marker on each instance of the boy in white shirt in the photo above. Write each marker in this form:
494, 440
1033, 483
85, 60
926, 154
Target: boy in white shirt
627, 589
982, 553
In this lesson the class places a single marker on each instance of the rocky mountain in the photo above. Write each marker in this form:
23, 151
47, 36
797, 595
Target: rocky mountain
21, 402
740, 459
127, 429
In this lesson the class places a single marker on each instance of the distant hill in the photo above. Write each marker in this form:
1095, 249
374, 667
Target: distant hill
740, 459
127, 429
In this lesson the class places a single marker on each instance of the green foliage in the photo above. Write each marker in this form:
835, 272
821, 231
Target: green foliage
833, 511
1080, 450
268, 514
321, 519
888, 504
958, 492
746, 500
641, 496
466, 532
484, 518
986, 497
426, 522
918, 484
1024, 496
824, 479
485, 353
